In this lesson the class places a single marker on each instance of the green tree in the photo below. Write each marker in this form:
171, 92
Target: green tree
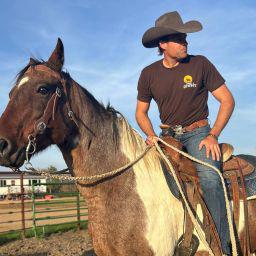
54, 188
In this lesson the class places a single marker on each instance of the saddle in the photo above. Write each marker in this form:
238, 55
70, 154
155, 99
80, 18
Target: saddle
234, 170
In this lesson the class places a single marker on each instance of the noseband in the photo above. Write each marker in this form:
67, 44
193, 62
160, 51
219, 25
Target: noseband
49, 112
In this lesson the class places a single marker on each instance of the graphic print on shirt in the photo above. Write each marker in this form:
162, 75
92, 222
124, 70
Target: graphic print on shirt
188, 80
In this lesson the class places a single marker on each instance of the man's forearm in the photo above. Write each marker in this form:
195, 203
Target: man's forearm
224, 114
145, 124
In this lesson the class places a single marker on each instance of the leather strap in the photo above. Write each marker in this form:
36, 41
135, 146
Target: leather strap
189, 128
51, 107
246, 245
48, 114
190, 189
209, 226
211, 233
193, 126
232, 176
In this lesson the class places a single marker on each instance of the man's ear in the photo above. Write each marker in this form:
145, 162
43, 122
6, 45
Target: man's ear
56, 59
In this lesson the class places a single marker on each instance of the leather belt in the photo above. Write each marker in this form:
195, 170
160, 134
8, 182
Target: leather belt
178, 129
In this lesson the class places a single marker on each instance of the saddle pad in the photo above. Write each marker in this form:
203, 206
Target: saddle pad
170, 182
250, 184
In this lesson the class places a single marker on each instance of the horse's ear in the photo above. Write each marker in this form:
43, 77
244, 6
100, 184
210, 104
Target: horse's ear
56, 60
32, 62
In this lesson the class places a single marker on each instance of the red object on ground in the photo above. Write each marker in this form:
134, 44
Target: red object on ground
48, 197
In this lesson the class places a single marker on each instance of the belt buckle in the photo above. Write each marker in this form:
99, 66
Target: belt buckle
178, 129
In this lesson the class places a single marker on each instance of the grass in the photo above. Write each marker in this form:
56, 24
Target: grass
41, 231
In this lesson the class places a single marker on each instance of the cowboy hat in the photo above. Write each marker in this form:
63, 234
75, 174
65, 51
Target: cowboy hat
168, 24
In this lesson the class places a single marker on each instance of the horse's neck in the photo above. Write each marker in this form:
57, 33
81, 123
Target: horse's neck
98, 150
85, 106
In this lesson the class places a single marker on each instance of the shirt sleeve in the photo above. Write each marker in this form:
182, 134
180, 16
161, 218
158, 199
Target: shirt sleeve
144, 92
211, 76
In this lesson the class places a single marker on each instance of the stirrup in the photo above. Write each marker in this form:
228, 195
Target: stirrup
187, 251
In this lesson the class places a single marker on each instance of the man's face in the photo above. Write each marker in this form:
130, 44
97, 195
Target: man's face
176, 46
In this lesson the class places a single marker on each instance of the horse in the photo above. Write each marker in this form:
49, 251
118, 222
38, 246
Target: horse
130, 213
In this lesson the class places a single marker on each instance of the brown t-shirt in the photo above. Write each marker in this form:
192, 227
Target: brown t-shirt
181, 92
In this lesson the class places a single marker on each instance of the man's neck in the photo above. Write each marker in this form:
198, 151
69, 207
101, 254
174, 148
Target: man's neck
170, 62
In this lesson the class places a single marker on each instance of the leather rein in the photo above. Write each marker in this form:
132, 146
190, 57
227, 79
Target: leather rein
42, 123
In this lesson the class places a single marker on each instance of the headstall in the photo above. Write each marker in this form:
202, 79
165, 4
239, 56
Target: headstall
49, 113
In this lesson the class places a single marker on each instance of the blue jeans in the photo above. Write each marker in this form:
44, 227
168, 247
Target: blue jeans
210, 183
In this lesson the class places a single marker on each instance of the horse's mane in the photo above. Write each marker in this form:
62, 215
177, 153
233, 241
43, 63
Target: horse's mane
96, 103
120, 126
135, 144
101, 113
100, 109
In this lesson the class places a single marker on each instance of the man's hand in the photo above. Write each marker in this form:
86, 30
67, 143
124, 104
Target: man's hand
211, 146
144, 122
151, 139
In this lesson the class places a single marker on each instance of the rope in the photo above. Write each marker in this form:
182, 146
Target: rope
93, 178
229, 217
251, 197
99, 177
193, 219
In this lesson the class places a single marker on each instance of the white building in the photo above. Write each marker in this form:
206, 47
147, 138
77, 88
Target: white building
10, 183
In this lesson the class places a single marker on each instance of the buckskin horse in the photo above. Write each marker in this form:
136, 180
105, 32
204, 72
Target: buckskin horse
131, 213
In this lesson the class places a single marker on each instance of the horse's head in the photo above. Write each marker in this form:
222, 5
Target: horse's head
33, 112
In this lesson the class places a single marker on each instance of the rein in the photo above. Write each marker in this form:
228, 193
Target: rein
87, 179
41, 125
49, 113
229, 215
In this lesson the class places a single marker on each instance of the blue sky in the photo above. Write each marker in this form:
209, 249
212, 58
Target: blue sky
103, 52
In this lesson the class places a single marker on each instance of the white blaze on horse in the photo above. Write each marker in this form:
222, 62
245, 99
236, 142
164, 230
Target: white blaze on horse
131, 213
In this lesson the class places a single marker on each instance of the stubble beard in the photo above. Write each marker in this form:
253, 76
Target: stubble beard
182, 55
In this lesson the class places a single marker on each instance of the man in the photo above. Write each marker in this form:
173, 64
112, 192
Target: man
179, 83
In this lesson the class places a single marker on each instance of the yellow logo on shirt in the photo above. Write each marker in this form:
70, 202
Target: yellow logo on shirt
188, 80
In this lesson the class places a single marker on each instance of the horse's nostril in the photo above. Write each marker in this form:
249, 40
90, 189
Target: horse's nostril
3, 146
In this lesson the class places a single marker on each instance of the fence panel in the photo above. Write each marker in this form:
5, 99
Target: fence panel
64, 207
49, 212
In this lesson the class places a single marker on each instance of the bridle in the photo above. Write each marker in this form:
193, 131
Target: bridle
49, 113
42, 123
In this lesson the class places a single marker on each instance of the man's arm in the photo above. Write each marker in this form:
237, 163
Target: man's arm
144, 121
227, 104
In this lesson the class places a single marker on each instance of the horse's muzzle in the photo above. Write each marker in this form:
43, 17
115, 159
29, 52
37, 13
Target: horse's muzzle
10, 156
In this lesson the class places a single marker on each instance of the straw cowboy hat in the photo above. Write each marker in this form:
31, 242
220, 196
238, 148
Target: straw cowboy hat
167, 24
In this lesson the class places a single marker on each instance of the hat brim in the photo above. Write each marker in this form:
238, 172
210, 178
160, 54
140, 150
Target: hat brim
151, 37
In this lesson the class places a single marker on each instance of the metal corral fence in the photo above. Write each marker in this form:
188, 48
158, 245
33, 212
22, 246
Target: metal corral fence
73, 205
44, 209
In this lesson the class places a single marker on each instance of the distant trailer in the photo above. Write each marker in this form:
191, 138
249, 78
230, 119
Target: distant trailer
10, 183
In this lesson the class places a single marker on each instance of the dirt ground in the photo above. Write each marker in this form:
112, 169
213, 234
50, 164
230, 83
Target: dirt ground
71, 243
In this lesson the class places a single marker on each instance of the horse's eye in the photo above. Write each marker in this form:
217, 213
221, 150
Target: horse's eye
43, 90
